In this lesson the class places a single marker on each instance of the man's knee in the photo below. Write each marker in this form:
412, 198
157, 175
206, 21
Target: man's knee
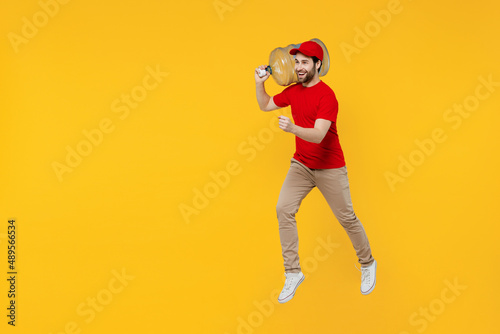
348, 220
285, 211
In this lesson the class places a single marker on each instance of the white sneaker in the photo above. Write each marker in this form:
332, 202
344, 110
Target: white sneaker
368, 278
293, 280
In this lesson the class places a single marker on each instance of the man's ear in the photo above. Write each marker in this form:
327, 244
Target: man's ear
318, 64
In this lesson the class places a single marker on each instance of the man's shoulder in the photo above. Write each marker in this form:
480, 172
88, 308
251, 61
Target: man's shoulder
325, 87
291, 91
325, 91
295, 86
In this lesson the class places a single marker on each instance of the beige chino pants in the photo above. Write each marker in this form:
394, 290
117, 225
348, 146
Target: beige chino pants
334, 185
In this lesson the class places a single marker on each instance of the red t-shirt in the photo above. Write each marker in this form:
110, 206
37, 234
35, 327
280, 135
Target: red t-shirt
309, 104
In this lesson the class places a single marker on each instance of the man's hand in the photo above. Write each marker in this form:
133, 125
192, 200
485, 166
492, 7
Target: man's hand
264, 78
286, 124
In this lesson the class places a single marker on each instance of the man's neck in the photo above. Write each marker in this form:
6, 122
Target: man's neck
311, 83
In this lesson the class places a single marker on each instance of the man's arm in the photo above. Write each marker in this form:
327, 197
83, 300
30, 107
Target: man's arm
265, 101
313, 135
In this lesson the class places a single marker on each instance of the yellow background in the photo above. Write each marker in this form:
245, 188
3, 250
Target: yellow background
119, 209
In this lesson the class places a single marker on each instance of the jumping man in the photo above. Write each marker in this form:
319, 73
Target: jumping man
318, 162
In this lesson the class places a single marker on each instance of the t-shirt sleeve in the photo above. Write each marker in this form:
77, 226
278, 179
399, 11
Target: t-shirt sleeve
328, 108
282, 99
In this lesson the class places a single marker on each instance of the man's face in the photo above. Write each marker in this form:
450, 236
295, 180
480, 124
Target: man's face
304, 67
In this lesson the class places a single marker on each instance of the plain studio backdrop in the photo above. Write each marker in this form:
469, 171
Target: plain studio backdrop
143, 177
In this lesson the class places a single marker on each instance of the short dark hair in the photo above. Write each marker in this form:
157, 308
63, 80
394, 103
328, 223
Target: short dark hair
315, 60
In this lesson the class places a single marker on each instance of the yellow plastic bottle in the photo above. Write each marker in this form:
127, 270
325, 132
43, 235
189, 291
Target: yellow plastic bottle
282, 64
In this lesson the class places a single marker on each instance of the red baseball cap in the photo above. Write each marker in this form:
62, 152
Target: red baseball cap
310, 49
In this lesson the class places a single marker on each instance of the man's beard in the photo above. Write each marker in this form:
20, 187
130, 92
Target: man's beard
308, 77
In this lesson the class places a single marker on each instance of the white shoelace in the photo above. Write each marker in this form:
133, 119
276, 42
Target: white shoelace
289, 282
365, 275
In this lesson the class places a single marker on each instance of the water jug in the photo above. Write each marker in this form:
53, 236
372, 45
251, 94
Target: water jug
282, 64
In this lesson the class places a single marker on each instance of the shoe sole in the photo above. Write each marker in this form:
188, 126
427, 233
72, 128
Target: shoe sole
289, 297
375, 282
